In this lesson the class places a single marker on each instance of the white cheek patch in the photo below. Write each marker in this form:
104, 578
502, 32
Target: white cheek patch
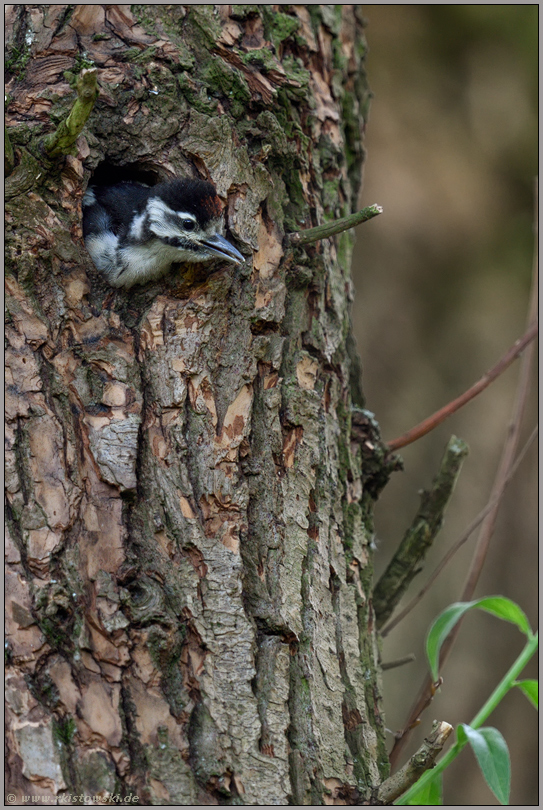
159, 213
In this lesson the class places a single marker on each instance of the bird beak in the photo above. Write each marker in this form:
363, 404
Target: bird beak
219, 246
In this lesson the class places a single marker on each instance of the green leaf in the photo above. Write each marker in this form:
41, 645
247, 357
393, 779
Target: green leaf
439, 631
492, 755
430, 794
505, 609
530, 688
499, 606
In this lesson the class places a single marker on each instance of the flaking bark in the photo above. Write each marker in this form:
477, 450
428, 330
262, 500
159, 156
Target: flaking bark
189, 517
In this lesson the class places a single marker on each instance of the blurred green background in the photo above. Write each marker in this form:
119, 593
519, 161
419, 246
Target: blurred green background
442, 285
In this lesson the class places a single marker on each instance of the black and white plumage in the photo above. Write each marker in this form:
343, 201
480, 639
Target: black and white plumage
134, 233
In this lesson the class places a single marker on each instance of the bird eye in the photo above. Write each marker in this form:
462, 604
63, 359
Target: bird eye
188, 224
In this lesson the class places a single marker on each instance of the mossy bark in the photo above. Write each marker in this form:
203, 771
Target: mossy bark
189, 514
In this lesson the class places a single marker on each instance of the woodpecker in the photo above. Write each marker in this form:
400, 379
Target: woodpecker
134, 233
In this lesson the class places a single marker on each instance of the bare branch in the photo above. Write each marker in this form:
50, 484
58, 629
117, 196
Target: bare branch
459, 543
438, 417
423, 760
406, 562
331, 228
68, 131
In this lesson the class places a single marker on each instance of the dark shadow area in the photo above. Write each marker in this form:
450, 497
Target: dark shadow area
107, 174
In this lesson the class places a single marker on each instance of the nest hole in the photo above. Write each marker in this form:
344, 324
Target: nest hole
107, 174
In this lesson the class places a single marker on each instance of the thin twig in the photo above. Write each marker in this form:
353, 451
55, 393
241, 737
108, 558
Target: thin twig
398, 662
506, 463
459, 543
504, 470
420, 762
438, 417
331, 228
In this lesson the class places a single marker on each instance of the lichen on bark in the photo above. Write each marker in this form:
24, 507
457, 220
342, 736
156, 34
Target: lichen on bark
189, 510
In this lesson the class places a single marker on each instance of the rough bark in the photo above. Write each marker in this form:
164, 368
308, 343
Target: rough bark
189, 515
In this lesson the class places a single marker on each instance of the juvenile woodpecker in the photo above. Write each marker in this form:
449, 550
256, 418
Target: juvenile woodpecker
134, 233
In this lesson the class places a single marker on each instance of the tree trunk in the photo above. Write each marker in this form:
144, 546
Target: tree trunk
189, 514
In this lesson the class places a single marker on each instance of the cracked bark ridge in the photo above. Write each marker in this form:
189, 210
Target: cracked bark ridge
188, 551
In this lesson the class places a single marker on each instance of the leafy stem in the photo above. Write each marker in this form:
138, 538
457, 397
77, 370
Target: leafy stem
504, 609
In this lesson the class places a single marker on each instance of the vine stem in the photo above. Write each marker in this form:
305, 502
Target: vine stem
495, 698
